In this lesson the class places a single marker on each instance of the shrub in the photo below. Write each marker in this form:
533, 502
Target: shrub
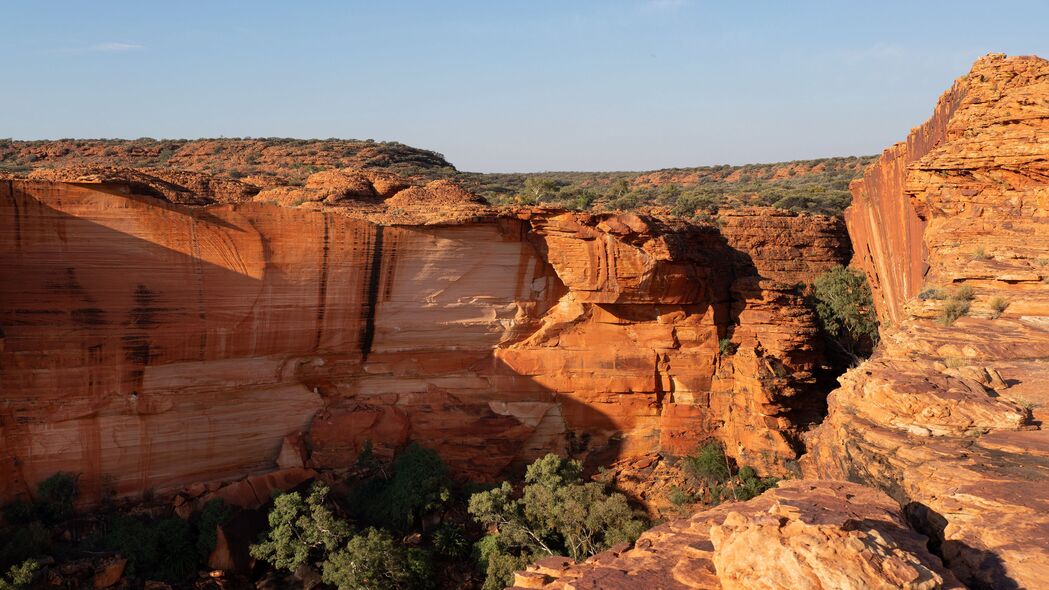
709, 466
932, 293
19, 512
750, 485
498, 563
998, 306
301, 531
845, 309
726, 347
677, 497
373, 561
448, 540
963, 293
980, 254
952, 310
22, 542
19, 576
712, 467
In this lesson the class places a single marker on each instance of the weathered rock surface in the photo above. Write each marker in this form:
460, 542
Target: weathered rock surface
802, 535
150, 345
949, 419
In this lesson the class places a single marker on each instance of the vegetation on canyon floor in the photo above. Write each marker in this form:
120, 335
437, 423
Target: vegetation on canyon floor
407, 524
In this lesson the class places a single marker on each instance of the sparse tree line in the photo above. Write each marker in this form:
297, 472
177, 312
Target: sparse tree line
405, 525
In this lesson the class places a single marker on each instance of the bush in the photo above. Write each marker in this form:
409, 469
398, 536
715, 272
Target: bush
952, 310
750, 485
19, 512
301, 531
931, 293
712, 467
19, 576
845, 309
498, 563
709, 466
677, 497
22, 542
998, 306
726, 347
373, 561
449, 541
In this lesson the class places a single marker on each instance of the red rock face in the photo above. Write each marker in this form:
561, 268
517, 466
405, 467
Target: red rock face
149, 345
949, 418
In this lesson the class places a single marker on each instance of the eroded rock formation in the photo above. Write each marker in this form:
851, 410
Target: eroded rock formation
821, 535
150, 344
948, 417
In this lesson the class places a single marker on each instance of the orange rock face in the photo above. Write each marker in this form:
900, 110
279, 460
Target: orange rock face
948, 417
147, 344
818, 535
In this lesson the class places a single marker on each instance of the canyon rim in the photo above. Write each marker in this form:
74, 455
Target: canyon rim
173, 334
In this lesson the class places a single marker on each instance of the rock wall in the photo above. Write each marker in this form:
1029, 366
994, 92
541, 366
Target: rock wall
948, 417
148, 344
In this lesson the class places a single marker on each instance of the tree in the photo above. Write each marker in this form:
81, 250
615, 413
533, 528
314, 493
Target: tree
419, 485
373, 561
843, 303
301, 532
215, 513
557, 513
55, 497
539, 188
163, 548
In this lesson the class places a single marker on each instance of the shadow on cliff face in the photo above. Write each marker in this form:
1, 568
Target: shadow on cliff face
977, 568
86, 309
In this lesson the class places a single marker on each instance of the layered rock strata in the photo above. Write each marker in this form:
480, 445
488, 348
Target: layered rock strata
149, 344
948, 416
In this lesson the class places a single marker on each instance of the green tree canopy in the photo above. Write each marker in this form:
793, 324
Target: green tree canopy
374, 561
843, 303
556, 513
301, 531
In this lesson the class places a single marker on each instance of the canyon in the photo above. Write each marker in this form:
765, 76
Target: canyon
150, 344
174, 331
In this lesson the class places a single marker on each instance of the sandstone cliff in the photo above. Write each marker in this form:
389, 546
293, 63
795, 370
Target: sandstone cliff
947, 417
151, 344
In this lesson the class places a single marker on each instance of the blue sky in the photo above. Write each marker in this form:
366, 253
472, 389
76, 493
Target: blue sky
505, 86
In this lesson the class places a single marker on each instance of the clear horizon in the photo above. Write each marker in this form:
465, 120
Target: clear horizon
588, 86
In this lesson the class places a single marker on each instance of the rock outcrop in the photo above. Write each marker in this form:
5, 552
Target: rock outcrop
948, 415
818, 535
150, 344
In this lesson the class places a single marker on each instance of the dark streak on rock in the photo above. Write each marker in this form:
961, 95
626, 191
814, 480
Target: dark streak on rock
374, 273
